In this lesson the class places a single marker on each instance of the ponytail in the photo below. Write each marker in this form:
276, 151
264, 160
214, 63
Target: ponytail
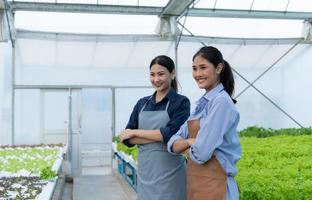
174, 84
227, 79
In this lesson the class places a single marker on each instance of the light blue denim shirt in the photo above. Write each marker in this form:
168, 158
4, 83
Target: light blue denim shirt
217, 134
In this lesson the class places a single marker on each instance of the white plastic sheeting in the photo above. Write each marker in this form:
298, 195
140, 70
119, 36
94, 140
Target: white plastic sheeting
158, 3
276, 5
27, 117
5, 92
244, 28
50, 62
140, 24
143, 24
103, 63
86, 22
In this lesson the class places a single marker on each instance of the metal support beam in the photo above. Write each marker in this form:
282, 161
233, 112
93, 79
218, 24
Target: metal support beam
31, 87
241, 41
84, 8
113, 125
9, 16
176, 7
69, 126
173, 8
3, 26
228, 13
307, 31
13, 96
21, 34
7, 30
2, 5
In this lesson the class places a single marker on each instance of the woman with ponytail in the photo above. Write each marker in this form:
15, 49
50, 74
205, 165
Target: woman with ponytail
209, 136
155, 118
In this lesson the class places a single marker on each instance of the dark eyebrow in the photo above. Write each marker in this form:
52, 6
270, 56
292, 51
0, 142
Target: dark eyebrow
201, 65
157, 72
160, 72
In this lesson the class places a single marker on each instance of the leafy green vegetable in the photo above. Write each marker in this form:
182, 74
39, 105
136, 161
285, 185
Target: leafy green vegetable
278, 167
260, 132
116, 139
33, 158
30, 159
276, 164
47, 173
132, 151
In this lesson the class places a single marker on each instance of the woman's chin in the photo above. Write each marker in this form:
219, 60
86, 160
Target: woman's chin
201, 86
160, 89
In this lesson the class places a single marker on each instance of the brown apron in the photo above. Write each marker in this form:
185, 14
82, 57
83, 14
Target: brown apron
206, 181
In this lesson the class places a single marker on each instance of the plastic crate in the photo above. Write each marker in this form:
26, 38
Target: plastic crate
127, 170
120, 164
130, 175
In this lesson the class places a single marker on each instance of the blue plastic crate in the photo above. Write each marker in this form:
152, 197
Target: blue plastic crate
130, 175
120, 163
127, 171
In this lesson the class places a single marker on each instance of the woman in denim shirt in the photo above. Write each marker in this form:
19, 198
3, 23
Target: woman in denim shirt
210, 136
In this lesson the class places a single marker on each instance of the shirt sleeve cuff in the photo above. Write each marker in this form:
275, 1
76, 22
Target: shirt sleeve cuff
127, 143
165, 134
170, 143
193, 157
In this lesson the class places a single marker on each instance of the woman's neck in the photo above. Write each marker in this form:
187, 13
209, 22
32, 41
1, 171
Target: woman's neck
161, 94
213, 86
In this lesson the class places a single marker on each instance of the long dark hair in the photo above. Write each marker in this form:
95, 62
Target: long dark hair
168, 63
214, 56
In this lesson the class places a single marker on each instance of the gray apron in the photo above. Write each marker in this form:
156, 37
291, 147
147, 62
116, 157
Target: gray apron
161, 175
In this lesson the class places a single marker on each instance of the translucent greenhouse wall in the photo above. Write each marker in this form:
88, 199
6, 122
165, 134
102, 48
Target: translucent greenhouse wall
5, 92
284, 83
124, 108
46, 62
55, 61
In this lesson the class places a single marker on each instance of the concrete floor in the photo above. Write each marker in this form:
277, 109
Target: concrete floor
98, 184
68, 192
98, 188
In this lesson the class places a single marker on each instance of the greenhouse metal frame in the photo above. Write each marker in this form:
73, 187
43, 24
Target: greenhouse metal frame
269, 81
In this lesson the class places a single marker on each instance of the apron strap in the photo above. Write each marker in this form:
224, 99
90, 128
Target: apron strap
150, 99
167, 105
146, 103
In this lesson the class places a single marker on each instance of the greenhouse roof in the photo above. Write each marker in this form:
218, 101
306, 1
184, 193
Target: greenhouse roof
276, 5
212, 18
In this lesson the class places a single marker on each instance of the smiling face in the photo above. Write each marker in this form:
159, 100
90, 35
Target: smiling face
205, 74
161, 78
